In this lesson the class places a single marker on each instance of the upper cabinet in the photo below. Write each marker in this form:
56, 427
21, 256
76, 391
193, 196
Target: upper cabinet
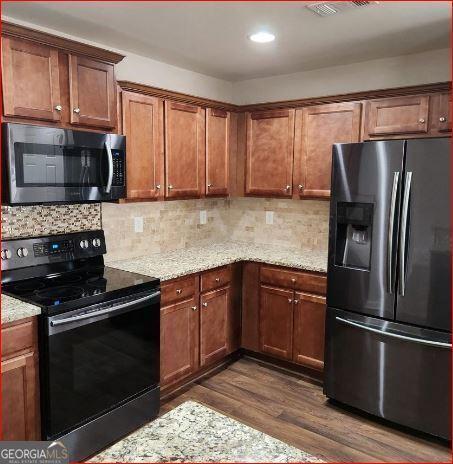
92, 92
441, 114
143, 128
184, 150
317, 129
49, 79
30, 76
269, 153
217, 151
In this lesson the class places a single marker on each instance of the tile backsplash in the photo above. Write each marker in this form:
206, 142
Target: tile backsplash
39, 220
174, 225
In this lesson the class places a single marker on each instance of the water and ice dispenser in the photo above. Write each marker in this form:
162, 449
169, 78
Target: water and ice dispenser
353, 235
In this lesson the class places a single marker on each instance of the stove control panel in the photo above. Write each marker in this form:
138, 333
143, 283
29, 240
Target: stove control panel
21, 253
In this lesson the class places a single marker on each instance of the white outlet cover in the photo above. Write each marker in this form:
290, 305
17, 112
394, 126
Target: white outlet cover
203, 217
269, 217
138, 224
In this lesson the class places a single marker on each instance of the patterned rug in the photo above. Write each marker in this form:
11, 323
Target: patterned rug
193, 432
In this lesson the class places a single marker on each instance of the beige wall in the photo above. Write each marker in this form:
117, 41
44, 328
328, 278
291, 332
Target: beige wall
400, 71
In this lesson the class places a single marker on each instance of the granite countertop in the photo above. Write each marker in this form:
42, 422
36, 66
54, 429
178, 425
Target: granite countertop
173, 264
14, 309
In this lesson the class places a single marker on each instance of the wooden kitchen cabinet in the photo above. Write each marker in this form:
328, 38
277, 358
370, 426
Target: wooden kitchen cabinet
31, 87
214, 325
217, 152
441, 114
179, 340
309, 321
317, 129
20, 381
92, 92
397, 115
184, 150
269, 153
143, 128
276, 321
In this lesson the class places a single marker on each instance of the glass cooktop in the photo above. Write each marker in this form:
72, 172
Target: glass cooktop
78, 288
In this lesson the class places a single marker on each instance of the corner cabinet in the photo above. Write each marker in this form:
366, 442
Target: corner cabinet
269, 153
317, 129
143, 128
184, 150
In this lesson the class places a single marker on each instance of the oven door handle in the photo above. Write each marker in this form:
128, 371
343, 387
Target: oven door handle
119, 307
108, 187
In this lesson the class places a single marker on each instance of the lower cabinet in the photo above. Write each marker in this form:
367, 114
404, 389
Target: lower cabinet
20, 381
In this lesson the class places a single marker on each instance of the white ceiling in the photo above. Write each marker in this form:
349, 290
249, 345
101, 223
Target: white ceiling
211, 37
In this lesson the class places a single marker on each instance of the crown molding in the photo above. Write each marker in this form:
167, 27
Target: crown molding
66, 45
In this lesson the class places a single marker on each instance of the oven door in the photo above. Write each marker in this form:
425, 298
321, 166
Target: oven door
50, 165
97, 358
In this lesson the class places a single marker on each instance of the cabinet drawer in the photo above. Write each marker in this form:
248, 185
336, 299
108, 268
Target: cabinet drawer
178, 290
305, 281
19, 337
215, 278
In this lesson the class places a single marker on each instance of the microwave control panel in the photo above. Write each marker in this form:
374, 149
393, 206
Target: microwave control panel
118, 168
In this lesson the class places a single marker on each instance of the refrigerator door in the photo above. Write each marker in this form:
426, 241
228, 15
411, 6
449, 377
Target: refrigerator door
394, 371
363, 229
424, 287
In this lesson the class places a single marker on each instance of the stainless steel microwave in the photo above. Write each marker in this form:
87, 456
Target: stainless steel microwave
53, 165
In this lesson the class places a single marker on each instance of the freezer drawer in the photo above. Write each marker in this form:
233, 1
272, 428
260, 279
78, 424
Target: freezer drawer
403, 375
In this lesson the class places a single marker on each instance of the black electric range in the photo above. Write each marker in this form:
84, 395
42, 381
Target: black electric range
99, 335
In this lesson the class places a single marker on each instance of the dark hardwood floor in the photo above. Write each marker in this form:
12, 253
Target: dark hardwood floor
294, 410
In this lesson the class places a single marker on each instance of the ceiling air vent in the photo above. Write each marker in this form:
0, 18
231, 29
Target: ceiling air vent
331, 8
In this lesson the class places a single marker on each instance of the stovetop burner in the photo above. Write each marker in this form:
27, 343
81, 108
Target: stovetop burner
60, 293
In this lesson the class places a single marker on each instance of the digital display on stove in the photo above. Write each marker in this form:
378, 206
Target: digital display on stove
53, 248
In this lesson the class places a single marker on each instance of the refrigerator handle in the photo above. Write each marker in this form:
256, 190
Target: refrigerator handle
403, 233
394, 335
390, 278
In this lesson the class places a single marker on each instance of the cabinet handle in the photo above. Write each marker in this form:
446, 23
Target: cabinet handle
170, 187
421, 120
58, 108
158, 186
193, 308
290, 300
217, 279
76, 110
443, 119
301, 187
178, 291
205, 305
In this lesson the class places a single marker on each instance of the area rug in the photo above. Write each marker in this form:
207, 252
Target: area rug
193, 432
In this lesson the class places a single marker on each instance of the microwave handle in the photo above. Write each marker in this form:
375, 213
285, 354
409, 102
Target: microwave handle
108, 187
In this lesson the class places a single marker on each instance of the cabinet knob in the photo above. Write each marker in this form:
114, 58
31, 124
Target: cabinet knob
58, 108
293, 280
290, 300
421, 120
209, 186
288, 187
296, 301
158, 186
443, 119
217, 279
170, 187
76, 110
301, 187
193, 308
205, 305
178, 291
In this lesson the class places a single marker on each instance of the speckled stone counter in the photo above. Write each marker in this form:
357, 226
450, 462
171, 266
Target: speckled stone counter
171, 265
14, 309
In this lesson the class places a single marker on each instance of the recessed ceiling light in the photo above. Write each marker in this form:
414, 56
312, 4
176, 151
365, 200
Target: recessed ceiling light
262, 37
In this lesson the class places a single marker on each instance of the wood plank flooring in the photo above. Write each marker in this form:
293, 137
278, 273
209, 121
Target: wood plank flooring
294, 410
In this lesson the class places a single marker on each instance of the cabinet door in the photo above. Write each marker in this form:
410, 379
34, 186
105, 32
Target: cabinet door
20, 398
270, 146
442, 113
92, 92
217, 151
184, 150
31, 87
214, 325
276, 321
178, 341
309, 321
399, 115
143, 128
317, 129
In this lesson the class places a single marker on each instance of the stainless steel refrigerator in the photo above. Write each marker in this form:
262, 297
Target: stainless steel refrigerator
388, 323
